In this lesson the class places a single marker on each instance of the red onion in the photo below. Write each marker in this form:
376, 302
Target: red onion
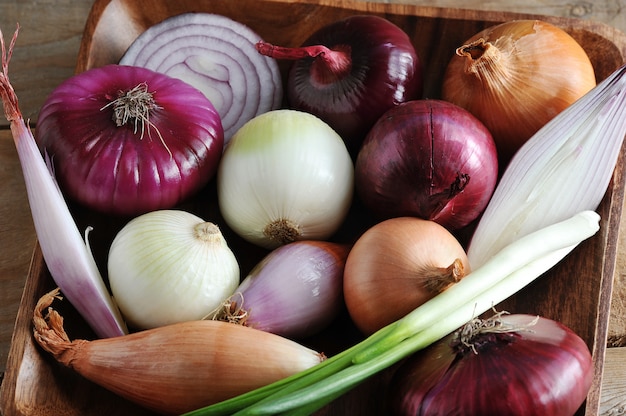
295, 291
350, 72
505, 365
429, 159
217, 55
157, 156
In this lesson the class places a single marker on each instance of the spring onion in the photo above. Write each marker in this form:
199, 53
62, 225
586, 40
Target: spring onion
503, 275
67, 256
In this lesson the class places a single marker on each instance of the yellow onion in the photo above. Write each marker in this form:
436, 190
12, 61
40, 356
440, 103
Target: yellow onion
515, 77
398, 265
175, 368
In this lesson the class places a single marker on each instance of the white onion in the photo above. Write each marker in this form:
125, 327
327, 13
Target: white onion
170, 266
285, 176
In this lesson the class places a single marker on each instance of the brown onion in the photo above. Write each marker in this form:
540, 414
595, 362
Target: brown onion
515, 77
396, 266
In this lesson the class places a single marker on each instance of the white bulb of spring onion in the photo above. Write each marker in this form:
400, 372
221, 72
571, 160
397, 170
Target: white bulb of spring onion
285, 176
170, 266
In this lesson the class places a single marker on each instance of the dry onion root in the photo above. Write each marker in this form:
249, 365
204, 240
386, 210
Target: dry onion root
176, 368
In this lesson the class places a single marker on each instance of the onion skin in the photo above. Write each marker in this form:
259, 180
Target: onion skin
385, 71
296, 290
116, 170
176, 368
396, 266
515, 77
545, 369
429, 159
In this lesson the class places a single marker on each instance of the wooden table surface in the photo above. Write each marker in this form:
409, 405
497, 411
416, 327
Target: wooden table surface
46, 54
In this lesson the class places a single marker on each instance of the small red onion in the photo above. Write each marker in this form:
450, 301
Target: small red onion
504, 365
152, 160
295, 291
429, 159
348, 73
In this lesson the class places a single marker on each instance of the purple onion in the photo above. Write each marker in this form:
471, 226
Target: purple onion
428, 159
138, 166
296, 290
357, 69
523, 365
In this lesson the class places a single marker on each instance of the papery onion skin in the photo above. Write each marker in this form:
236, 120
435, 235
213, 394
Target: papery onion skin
170, 266
429, 159
543, 369
216, 55
515, 77
296, 290
385, 71
120, 170
396, 266
285, 176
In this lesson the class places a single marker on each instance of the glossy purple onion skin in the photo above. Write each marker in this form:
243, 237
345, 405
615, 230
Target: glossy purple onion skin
113, 169
296, 290
386, 71
546, 370
429, 159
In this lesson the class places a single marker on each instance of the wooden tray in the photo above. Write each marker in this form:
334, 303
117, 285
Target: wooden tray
577, 292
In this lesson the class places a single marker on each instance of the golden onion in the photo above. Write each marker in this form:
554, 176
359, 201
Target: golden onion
515, 77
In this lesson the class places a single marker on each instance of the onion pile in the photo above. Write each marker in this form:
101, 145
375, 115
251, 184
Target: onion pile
216, 55
194, 96
515, 77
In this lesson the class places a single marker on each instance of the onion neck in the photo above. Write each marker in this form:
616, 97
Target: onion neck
483, 59
438, 279
329, 65
207, 232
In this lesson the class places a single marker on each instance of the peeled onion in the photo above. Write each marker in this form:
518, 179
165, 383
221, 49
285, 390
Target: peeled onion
396, 266
429, 159
515, 77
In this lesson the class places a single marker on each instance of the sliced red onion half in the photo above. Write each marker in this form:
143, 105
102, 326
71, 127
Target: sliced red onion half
218, 56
